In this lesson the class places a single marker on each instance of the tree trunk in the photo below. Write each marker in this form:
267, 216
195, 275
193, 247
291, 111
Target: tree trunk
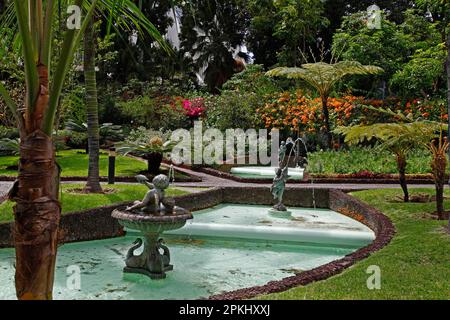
439, 166
326, 120
401, 166
37, 210
93, 179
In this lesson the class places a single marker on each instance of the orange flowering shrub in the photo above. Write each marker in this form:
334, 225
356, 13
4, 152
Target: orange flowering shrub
298, 112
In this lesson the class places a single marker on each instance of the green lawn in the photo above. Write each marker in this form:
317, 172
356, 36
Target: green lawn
415, 265
75, 202
74, 163
358, 159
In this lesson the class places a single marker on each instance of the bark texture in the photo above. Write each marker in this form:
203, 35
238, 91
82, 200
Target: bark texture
37, 215
326, 120
93, 179
401, 166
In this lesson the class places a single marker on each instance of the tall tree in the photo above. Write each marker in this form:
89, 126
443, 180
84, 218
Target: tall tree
37, 210
211, 32
280, 30
116, 14
93, 178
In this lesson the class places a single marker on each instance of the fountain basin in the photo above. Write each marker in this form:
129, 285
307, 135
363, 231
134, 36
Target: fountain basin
153, 224
151, 262
265, 172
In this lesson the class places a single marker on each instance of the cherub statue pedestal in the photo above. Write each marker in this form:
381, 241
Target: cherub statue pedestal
151, 262
152, 216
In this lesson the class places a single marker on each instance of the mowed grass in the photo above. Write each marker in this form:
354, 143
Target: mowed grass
76, 201
415, 265
74, 163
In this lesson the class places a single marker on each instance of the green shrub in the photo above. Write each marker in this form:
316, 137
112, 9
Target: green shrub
253, 79
8, 133
142, 135
76, 140
233, 109
159, 113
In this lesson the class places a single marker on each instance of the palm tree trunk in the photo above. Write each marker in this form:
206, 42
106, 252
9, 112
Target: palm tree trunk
93, 179
401, 166
326, 120
37, 210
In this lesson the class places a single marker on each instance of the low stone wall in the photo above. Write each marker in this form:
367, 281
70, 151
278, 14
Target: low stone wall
324, 178
97, 223
293, 197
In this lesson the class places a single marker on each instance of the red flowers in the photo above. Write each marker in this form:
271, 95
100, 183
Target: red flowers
193, 108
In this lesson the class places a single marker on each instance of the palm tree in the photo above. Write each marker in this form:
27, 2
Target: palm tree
37, 210
120, 13
398, 138
93, 178
323, 77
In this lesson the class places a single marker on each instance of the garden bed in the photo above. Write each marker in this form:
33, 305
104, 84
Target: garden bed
329, 178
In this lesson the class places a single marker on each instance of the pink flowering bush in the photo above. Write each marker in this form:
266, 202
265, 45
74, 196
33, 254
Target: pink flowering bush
194, 108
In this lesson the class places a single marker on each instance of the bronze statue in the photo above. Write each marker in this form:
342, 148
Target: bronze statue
151, 216
155, 200
278, 187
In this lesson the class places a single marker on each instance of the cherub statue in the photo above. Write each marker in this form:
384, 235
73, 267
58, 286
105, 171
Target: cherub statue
155, 200
278, 187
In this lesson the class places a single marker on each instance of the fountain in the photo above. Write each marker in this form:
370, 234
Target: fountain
282, 174
294, 172
151, 216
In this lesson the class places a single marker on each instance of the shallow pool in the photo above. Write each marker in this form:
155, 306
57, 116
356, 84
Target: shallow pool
205, 263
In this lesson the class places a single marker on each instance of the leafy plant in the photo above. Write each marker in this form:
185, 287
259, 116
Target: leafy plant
108, 131
439, 149
152, 150
10, 146
323, 77
398, 138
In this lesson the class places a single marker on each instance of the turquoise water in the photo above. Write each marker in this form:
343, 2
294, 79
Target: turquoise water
203, 265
